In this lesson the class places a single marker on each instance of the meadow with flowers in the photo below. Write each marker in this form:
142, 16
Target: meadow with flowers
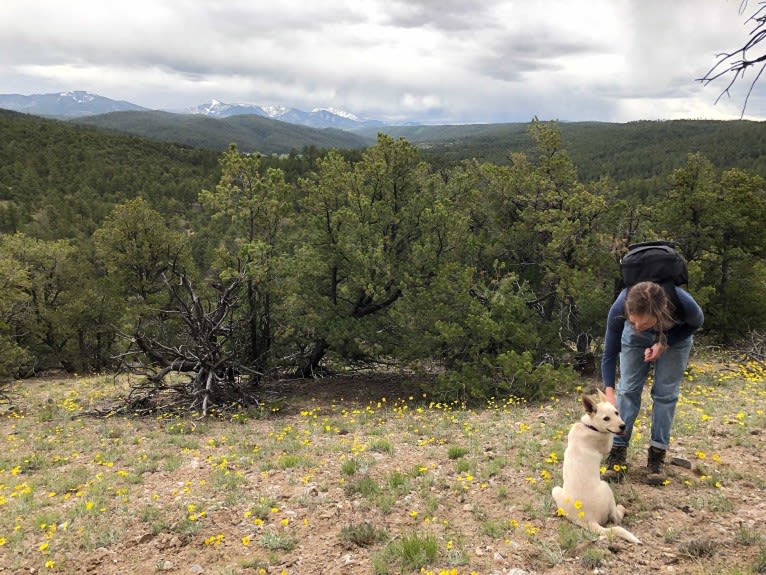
357, 474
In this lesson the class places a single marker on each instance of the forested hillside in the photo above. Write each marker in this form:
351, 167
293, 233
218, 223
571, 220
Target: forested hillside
633, 151
251, 133
637, 153
59, 181
483, 277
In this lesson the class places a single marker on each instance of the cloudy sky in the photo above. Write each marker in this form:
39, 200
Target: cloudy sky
436, 61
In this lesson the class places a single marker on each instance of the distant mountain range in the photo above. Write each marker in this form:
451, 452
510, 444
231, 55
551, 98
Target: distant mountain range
630, 152
79, 104
317, 118
64, 105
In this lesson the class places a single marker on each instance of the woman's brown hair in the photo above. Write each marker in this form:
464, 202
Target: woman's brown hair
649, 298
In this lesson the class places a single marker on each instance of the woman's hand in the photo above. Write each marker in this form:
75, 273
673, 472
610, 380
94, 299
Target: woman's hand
654, 352
611, 396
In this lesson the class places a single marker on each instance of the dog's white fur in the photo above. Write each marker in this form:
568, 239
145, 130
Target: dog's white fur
585, 498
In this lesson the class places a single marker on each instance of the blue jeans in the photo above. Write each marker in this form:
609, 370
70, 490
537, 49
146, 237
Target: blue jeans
668, 371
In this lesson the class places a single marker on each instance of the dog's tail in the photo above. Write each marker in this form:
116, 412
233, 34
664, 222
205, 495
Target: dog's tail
614, 530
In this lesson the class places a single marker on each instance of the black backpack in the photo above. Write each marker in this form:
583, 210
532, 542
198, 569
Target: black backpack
658, 262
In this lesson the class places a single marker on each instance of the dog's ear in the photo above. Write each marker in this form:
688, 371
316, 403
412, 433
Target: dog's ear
589, 402
591, 397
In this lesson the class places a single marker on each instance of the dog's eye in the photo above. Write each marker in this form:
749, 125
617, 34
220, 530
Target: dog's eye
607, 418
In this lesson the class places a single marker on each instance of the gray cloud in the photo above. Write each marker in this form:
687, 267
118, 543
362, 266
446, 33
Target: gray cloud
448, 15
439, 61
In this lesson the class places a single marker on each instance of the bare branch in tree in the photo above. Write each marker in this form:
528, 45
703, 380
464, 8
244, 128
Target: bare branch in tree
199, 345
5, 392
755, 348
735, 64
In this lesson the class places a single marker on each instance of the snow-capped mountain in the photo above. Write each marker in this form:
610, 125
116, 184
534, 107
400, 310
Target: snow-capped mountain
64, 104
80, 103
275, 111
218, 109
317, 118
341, 113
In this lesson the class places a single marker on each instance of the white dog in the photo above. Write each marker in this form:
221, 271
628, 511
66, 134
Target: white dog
585, 499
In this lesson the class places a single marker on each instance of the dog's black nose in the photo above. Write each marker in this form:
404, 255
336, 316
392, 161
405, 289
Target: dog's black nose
622, 427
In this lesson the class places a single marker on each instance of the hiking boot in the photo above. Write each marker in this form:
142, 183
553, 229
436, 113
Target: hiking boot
616, 466
655, 465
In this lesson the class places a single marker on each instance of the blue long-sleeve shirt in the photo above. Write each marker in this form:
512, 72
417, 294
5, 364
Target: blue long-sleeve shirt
615, 322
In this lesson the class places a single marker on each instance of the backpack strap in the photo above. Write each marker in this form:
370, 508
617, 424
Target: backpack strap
670, 290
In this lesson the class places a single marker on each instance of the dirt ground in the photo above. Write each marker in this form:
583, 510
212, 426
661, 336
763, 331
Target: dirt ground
293, 490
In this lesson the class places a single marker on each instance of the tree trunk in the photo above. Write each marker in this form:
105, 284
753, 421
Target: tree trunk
310, 363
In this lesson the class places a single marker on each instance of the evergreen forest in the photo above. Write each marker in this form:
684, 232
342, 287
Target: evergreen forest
485, 277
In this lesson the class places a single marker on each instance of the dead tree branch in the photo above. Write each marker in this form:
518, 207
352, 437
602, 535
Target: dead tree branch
737, 62
197, 340
755, 348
